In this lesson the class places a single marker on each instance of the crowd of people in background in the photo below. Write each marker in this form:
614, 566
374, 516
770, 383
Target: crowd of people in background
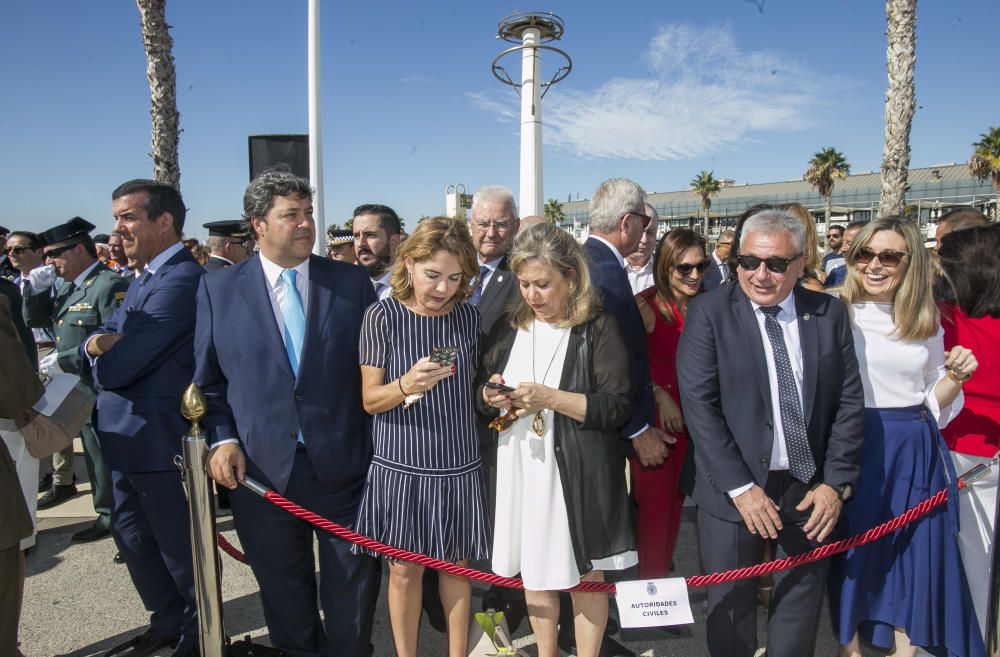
493, 393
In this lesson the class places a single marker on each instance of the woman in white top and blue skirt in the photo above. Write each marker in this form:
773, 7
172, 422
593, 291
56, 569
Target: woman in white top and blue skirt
562, 511
908, 590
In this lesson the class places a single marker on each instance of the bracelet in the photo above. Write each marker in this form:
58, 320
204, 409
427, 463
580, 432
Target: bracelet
954, 377
399, 382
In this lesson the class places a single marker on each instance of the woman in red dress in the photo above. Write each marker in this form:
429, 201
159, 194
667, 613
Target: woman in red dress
970, 262
679, 268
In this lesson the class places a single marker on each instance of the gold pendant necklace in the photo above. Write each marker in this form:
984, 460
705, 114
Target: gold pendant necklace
538, 422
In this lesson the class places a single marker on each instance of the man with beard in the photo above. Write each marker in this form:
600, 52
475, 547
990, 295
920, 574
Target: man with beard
87, 298
376, 237
639, 265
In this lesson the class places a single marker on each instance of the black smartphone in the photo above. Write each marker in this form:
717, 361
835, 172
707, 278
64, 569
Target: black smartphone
499, 387
444, 355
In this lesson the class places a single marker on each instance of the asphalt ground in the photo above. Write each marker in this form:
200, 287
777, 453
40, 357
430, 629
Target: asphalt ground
79, 603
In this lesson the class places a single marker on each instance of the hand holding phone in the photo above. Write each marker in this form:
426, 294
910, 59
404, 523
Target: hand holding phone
444, 355
499, 387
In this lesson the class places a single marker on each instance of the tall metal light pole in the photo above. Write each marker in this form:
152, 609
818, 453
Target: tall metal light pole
315, 129
531, 30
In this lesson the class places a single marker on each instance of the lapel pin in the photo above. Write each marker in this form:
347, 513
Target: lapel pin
805, 318
500, 279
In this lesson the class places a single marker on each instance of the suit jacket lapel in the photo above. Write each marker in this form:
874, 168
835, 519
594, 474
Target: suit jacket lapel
318, 313
492, 292
809, 339
750, 330
254, 289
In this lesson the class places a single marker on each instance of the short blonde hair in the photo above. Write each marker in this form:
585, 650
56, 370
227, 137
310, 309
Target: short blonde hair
432, 236
914, 312
557, 249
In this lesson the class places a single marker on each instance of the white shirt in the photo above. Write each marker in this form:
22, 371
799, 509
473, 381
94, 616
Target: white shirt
721, 266
788, 321
898, 373
162, 257
386, 290
642, 278
277, 289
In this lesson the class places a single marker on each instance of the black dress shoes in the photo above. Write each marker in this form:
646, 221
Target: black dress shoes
93, 533
143, 645
118, 558
56, 495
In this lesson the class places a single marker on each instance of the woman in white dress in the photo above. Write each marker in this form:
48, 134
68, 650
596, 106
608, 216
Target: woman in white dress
562, 511
908, 590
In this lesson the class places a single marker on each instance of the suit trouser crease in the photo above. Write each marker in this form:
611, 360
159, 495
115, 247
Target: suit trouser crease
798, 593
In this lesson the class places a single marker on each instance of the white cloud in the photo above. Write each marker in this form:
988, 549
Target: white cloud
704, 95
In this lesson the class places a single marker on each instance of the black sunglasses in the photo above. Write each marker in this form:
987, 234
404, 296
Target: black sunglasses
17, 250
645, 218
888, 258
59, 250
774, 265
685, 268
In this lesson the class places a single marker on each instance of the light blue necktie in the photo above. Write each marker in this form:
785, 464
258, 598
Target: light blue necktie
295, 323
295, 320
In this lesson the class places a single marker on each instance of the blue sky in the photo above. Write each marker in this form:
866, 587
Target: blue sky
659, 91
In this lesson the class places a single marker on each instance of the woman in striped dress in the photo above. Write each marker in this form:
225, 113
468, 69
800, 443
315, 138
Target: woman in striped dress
425, 490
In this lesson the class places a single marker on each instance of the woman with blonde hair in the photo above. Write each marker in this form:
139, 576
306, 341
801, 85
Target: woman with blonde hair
557, 369
425, 491
813, 268
910, 590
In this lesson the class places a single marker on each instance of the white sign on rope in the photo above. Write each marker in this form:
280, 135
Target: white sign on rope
653, 602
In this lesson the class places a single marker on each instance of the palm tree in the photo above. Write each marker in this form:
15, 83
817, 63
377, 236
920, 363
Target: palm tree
826, 166
162, 90
553, 211
901, 59
706, 186
985, 162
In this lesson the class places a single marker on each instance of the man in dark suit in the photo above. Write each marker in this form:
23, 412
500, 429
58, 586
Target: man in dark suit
718, 273
227, 244
775, 440
284, 407
494, 225
143, 360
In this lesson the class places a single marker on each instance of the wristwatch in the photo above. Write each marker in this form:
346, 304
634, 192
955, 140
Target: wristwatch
844, 491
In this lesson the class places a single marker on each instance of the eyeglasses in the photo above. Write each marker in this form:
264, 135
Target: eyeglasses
645, 217
888, 258
500, 226
774, 265
59, 250
17, 250
685, 268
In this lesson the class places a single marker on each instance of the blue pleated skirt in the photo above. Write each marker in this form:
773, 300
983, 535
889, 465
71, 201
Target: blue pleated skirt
911, 579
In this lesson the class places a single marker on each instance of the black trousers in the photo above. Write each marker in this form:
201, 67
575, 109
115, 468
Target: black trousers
798, 593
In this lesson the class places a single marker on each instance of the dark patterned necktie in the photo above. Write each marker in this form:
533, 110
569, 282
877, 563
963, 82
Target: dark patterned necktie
477, 293
800, 458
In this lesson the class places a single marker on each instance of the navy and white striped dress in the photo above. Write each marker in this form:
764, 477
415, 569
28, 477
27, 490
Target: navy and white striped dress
425, 489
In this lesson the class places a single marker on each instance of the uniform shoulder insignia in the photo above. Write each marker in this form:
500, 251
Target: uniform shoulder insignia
91, 282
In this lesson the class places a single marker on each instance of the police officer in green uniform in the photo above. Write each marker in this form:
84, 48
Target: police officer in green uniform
87, 298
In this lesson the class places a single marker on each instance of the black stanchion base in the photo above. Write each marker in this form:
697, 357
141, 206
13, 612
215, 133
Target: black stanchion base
246, 648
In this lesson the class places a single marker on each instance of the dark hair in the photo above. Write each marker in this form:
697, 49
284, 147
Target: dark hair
855, 224
388, 220
258, 199
33, 242
670, 249
160, 198
835, 227
970, 261
962, 218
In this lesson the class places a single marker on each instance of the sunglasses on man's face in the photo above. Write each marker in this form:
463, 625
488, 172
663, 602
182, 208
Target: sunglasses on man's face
645, 218
774, 265
685, 268
59, 250
17, 250
888, 257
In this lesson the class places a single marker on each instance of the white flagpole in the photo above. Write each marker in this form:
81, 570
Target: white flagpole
315, 129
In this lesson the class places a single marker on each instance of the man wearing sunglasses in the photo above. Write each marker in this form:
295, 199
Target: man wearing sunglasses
7, 270
776, 439
89, 294
640, 262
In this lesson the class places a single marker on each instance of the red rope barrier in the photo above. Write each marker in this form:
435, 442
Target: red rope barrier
821, 552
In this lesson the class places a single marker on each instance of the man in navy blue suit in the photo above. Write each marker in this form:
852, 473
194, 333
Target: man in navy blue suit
284, 407
143, 359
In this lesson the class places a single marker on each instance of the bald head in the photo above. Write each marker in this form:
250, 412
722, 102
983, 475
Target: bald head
531, 220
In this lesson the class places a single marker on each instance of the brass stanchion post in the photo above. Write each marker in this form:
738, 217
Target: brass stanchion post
204, 549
